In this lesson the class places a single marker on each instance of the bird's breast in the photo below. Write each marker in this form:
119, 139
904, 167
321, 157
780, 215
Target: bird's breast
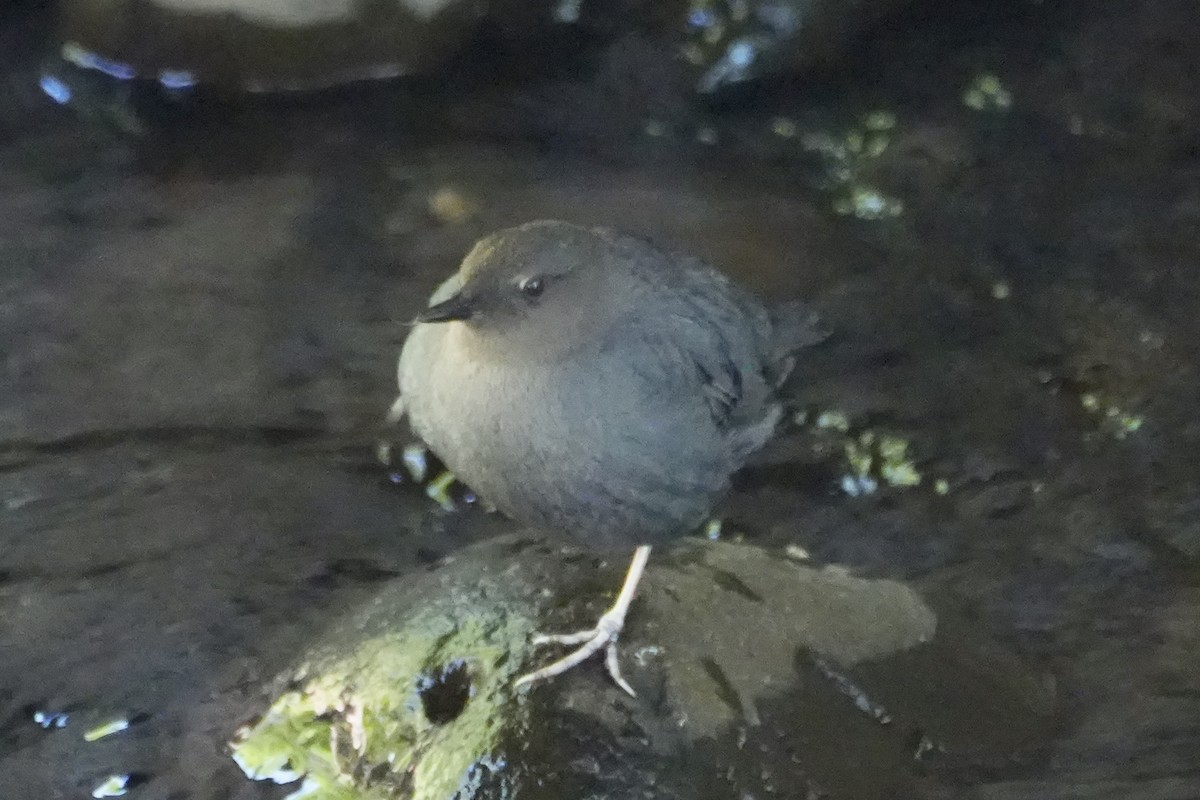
593, 451
482, 417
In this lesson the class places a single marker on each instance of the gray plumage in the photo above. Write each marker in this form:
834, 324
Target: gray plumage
582, 380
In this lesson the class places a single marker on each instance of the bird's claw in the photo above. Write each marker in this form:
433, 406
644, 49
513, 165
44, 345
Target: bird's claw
605, 635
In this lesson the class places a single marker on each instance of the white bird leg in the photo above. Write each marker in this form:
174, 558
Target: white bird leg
604, 635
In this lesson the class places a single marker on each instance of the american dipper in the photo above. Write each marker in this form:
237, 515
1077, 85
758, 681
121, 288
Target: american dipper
583, 380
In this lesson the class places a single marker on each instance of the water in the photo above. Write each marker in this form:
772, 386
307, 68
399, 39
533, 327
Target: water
199, 326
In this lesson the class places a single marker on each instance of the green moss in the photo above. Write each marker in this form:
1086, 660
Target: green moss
851, 157
987, 93
833, 420
894, 464
106, 729
438, 490
1111, 418
868, 203
412, 706
870, 455
879, 121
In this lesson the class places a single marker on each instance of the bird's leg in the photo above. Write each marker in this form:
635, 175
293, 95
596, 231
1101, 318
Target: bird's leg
604, 635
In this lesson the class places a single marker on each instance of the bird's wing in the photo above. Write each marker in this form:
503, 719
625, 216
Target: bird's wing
694, 357
725, 334
715, 343
721, 383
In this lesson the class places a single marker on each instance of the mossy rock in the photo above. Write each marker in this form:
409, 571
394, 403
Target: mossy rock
822, 672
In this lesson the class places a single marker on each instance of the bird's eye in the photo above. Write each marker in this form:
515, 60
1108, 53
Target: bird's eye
531, 287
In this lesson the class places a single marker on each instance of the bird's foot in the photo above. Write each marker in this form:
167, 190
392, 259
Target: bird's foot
604, 636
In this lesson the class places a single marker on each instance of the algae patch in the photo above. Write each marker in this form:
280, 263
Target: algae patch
409, 700
871, 456
987, 93
850, 158
1111, 418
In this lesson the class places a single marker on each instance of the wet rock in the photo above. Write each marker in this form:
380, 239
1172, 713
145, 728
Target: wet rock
648, 70
724, 43
264, 46
728, 42
273, 46
1174, 517
757, 676
1117, 362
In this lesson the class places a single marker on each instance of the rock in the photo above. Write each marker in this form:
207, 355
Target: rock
735, 42
270, 45
757, 677
279, 45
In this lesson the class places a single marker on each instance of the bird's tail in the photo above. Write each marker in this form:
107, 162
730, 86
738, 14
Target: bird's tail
794, 326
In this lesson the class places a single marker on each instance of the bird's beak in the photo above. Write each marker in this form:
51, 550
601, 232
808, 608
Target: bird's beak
456, 307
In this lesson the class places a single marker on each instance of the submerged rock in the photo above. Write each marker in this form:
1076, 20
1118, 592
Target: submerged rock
272, 45
757, 677
734, 41
275, 45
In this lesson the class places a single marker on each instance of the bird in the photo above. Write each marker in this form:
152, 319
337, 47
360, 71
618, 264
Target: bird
588, 381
